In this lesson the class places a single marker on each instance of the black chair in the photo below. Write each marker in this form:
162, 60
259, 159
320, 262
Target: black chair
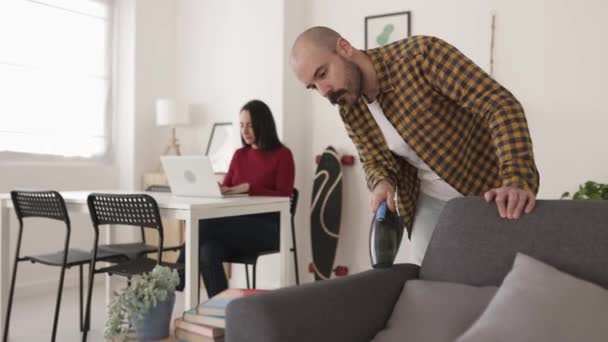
253, 259
138, 210
133, 250
49, 204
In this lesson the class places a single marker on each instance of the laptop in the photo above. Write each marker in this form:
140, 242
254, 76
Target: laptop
192, 176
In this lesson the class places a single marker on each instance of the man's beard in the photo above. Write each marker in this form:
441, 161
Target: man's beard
354, 78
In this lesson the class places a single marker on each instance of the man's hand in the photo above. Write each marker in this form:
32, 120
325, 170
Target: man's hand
511, 201
237, 189
383, 191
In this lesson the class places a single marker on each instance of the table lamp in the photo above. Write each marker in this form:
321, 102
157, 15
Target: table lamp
168, 115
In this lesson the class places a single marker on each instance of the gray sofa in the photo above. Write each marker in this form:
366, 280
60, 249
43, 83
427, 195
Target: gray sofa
471, 245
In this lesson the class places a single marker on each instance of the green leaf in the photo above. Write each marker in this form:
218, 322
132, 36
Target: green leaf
137, 299
589, 190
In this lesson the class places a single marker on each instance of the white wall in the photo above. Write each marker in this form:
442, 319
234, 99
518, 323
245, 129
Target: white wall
123, 94
297, 127
550, 54
155, 70
553, 55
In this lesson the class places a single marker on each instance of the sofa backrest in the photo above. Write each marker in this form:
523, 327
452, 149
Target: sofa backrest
473, 245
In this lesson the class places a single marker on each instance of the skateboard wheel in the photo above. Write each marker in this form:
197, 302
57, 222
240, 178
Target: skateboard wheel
348, 159
341, 271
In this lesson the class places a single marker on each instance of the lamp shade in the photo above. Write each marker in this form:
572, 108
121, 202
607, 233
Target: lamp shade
167, 113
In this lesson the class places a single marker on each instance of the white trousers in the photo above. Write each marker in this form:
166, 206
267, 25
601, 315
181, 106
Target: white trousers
427, 214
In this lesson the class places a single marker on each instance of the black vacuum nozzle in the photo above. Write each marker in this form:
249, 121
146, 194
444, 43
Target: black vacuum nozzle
385, 234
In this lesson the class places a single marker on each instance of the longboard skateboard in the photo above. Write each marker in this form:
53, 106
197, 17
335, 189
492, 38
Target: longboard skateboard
325, 213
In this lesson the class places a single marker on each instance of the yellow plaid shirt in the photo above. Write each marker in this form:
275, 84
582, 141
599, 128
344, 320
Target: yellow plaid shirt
465, 126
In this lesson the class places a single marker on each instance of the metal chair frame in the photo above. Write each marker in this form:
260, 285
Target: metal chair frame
50, 205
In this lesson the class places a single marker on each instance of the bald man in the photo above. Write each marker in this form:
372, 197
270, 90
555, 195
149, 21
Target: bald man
429, 125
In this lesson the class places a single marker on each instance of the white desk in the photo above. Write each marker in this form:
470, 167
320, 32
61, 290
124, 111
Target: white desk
189, 209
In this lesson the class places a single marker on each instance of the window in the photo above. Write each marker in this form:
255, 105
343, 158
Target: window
55, 77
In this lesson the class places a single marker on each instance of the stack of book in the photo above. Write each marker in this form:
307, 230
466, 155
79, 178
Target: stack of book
206, 322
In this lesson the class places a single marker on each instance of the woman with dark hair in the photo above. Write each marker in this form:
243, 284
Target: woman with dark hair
263, 167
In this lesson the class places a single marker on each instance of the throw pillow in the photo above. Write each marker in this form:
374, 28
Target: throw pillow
434, 311
537, 302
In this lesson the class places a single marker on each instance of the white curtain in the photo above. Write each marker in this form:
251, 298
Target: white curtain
55, 77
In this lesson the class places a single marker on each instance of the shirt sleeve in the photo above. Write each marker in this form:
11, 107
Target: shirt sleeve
229, 178
375, 167
455, 76
285, 177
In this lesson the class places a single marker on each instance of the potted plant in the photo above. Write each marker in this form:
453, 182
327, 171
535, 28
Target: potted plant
589, 190
146, 304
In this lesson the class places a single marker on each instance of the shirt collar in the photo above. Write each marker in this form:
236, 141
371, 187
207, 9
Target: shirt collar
383, 73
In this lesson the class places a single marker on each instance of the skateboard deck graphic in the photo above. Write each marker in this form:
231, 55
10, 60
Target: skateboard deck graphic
325, 213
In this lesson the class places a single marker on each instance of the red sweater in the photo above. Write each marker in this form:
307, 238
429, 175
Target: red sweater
269, 173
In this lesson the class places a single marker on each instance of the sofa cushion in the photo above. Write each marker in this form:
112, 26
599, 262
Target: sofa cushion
434, 311
537, 302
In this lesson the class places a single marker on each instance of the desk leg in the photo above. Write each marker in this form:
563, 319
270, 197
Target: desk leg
191, 239
5, 269
285, 255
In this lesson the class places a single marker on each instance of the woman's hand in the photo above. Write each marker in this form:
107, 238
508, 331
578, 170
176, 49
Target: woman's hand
237, 189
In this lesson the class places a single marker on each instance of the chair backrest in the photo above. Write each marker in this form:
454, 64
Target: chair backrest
293, 201
121, 209
139, 210
47, 204
473, 245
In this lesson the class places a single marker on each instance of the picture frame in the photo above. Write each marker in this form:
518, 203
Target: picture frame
386, 28
221, 147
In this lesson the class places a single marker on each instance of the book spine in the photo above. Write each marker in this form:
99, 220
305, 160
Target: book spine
198, 329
